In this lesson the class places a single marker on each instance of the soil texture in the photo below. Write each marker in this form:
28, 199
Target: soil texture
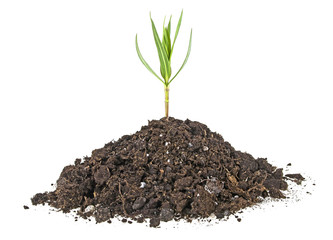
170, 169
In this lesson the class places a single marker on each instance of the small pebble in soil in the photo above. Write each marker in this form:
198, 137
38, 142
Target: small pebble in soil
89, 208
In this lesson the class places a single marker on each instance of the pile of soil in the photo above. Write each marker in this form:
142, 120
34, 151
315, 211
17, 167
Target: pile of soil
170, 169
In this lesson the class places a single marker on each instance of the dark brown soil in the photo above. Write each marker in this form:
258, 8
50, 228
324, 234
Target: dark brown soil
168, 170
298, 178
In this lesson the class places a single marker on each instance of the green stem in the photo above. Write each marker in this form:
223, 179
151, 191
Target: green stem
166, 92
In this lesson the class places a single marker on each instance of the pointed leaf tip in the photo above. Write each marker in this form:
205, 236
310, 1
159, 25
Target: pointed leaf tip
177, 31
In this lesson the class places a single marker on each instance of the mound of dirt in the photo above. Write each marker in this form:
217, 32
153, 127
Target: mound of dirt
170, 169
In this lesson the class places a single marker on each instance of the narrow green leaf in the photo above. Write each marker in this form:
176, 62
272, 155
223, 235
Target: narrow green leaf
165, 65
186, 58
177, 30
143, 60
169, 26
167, 42
164, 44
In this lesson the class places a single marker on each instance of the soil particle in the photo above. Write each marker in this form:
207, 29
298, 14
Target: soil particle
296, 177
166, 214
170, 169
102, 214
203, 203
40, 198
139, 203
102, 174
140, 220
214, 186
154, 222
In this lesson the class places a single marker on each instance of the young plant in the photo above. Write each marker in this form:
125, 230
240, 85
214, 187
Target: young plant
165, 50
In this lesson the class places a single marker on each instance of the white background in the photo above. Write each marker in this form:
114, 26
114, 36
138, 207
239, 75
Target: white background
260, 73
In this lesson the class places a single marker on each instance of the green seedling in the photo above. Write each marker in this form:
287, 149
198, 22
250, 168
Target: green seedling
165, 50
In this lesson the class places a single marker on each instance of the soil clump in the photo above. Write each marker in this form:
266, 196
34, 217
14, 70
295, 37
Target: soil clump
170, 169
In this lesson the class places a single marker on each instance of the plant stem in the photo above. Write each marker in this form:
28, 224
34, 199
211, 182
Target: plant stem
166, 92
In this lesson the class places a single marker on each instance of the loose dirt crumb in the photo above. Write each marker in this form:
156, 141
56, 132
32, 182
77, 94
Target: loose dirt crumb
154, 222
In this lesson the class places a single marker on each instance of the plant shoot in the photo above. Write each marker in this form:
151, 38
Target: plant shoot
165, 49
